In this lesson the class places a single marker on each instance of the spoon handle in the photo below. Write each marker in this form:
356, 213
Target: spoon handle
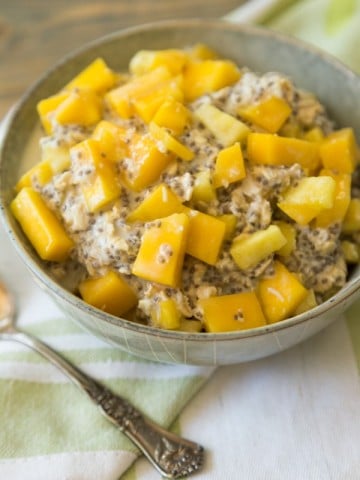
170, 454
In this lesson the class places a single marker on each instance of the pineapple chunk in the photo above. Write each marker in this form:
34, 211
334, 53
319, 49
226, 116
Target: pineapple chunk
208, 76
341, 201
203, 190
289, 233
112, 139
110, 293
81, 107
146, 60
308, 303
205, 237
230, 221
269, 114
339, 151
350, 251
310, 197
280, 294
248, 249
41, 226
166, 315
169, 143
173, 115
162, 250
47, 107
97, 77
225, 128
269, 149
226, 313
104, 186
161, 202
351, 223
229, 166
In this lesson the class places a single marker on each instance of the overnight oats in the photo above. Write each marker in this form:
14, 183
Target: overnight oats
190, 193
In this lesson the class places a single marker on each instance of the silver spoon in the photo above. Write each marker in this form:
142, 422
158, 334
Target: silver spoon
170, 454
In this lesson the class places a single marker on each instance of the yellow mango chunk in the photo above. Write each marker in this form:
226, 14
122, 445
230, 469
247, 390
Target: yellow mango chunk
310, 197
203, 190
161, 202
172, 115
41, 226
269, 114
308, 303
97, 77
47, 107
269, 149
225, 128
338, 151
190, 326
229, 166
226, 313
169, 143
248, 249
112, 139
165, 314
58, 156
146, 60
81, 107
205, 237
110, 293
289, 233
341, 201
40, 174
146, 162
350, 251
351, 221
314, 135
121, 99
200, 51
162, 250
230, 221
280, 294
208, 76
104, 186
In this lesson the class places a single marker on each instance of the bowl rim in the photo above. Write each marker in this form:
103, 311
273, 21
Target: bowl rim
51, 286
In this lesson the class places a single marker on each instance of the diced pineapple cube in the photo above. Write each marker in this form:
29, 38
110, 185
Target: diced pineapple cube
269, 114
41, 226
351, 221
97, 77
229, 166
338, 151
280, 294
311, 196
39, 174
165, 314
248, 249
169, 143
350, 251
205, 237
226, 313
47, 107
104, 186
112, 139
230, 221
341, 201
289, 233
146, 60
208, 76
81, 107
269, 149
225, 128
308, 303
146, 162
173, 115
161, 202
110, 293
203, 190
162, 250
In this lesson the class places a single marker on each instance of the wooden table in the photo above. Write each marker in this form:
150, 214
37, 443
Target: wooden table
34, 34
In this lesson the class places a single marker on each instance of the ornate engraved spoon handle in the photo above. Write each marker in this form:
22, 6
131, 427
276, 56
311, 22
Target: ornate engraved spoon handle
170, 454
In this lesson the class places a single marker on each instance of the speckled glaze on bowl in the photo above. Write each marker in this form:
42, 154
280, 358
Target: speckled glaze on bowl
259, 49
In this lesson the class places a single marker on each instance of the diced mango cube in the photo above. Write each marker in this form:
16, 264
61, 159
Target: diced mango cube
351, 223
203, 190
229, 166
289, 233
173, 115
41, 226
47, 107
110, 293
161, 202
341, 201
230, 221
81, 107
58, 156
190, 325
208, 76
162, 250
308, 303
205, 237
248, 249
97, 77
200, 51
225, 128
338, 151
169, 143
39, 174
112, 139
280, 294
314, 135
226, 313
146, 60
310, 197
269, 149
146, 162
350, 251
165, 314
269, 114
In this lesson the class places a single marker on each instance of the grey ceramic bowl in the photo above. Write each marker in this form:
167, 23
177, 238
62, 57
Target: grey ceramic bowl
259, 49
